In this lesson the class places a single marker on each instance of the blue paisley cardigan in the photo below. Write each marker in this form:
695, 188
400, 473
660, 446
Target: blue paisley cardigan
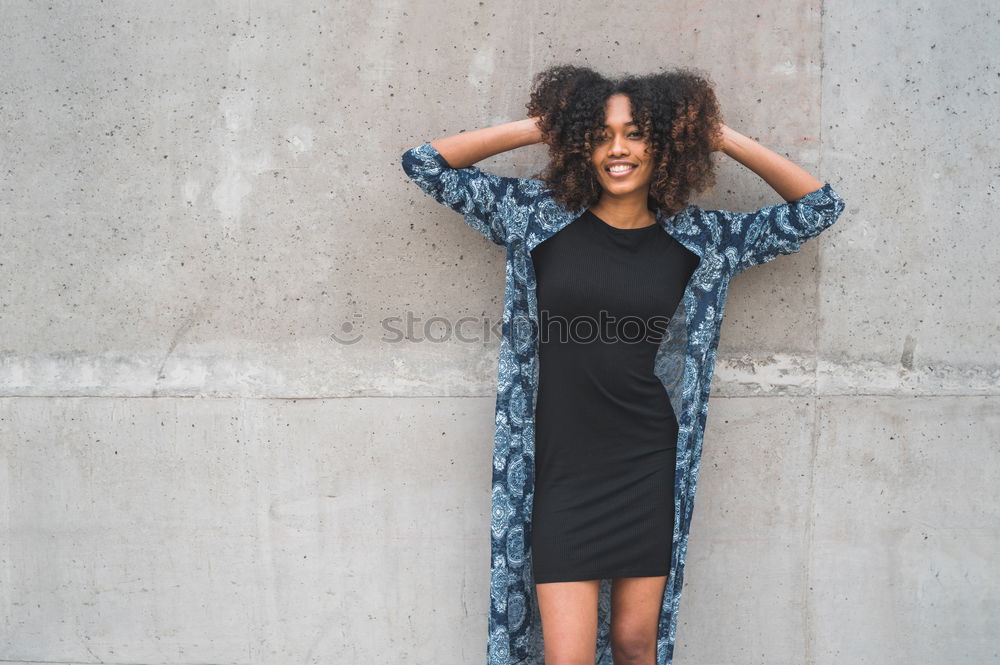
520, 213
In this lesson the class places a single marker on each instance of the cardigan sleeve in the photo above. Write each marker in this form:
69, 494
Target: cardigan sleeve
751, 238
482, 198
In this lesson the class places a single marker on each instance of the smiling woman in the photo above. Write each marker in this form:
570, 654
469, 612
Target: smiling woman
599, 428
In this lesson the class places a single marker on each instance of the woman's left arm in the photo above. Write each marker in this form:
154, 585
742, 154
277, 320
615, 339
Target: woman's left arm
750, 238
786, 177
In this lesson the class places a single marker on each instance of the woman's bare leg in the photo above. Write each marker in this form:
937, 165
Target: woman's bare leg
635, 613
569, 621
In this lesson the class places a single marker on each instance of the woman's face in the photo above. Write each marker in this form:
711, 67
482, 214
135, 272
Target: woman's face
621, 143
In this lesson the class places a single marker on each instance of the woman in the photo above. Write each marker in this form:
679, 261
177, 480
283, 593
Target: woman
614, 298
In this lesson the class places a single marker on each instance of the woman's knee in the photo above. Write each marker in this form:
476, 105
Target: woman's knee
634, 648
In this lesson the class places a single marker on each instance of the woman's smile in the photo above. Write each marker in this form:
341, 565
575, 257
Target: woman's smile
621, 169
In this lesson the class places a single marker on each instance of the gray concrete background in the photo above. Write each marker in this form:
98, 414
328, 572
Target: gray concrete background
195, 197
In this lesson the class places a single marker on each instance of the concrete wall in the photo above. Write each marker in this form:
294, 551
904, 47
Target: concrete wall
196, 197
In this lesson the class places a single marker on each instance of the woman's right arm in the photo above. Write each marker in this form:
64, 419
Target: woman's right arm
444, 170
467, 148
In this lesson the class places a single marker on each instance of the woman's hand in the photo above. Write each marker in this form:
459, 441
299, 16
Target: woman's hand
537, 131
718, 140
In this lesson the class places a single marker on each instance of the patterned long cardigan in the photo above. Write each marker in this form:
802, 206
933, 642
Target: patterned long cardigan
520, 213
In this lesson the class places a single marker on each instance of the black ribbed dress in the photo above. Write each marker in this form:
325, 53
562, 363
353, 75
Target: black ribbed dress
605, 432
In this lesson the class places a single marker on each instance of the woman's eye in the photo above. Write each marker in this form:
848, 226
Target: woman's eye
603, 137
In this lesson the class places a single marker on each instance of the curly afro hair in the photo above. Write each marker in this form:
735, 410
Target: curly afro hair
676, 110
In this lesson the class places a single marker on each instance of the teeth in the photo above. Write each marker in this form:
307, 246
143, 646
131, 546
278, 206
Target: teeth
619, 169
